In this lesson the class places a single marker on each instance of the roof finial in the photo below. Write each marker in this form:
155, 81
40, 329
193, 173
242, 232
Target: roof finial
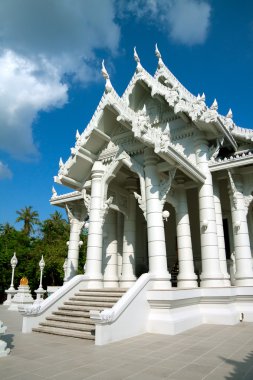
108, 85
203, 97
54, 192
229, 114
159, 56
61, 164
214, 106
137, 59
77, 134
157, 52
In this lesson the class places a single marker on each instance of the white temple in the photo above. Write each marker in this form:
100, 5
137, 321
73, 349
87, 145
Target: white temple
165, 183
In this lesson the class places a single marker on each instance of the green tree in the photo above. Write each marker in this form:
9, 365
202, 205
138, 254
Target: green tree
55, 234
29, 219
51, 243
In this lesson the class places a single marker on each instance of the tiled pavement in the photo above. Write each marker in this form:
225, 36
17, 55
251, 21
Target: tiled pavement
207, 352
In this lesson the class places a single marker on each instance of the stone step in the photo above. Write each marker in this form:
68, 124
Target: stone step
68, 326
98, 294
104, 290
71, 313
65, 332
70, 319
90, 304
94, 299
80, 308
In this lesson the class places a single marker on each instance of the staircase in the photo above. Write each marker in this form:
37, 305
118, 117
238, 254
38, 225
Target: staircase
73, 318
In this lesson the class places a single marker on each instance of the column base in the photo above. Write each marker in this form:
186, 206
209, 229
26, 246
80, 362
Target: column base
126, 283
187, 283
226, 281
248, 281
211, 280
95, 283
111, 284
160, 282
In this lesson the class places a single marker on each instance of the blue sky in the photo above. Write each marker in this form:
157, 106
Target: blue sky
50, 80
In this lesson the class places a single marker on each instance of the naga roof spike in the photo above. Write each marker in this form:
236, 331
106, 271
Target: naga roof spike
229, 114
136, 57
104, 71
159, 56
108, 85
214, 106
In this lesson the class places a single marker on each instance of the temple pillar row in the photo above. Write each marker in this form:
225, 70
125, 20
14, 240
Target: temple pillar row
74, 244
243, 259
186, 277
211, 273
111, 252
220, 234
155, 225
129, 236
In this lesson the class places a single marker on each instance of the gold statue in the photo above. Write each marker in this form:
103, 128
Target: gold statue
24, 281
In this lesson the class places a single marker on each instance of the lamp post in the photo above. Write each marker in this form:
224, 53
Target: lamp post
40, 291
11, 291
14, 262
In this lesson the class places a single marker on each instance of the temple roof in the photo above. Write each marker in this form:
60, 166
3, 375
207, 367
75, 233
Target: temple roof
119, 111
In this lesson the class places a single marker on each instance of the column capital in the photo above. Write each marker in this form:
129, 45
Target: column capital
76, 215
97, 170
200, 141
150, 158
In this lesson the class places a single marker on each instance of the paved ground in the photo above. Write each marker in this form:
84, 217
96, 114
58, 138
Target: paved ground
207, 352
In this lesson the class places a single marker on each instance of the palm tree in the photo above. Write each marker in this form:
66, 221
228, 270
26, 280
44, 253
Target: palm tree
29, 218
6, 229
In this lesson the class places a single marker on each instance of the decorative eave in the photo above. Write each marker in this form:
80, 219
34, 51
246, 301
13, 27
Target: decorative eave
233, 161
109, 99
196, 108
189, 108
183, 163
163, 71
243, 134
61, 200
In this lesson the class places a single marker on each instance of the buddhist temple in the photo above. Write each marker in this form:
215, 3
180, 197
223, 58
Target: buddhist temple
163, 183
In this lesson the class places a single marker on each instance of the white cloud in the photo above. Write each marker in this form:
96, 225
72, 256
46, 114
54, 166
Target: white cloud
24, 91
41, 42
185, 21
5, 172
189, 21
65, 32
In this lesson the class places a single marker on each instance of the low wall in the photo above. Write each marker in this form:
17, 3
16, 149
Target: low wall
175, 311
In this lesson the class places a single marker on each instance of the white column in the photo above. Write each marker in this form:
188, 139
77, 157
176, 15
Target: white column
220, 234
243, 259
111, 279
74, 242
250, 224
186, 277
155, 226
128, 277
211, 273
120, 221
95, 235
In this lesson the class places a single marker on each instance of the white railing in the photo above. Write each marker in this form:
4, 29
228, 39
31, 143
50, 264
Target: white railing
128, 317
34, 314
